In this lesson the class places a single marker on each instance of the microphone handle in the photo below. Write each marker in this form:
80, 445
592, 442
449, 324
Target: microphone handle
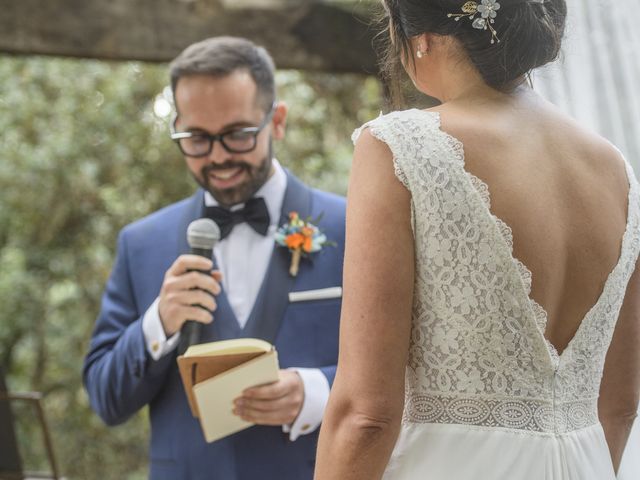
191, 331
202, 252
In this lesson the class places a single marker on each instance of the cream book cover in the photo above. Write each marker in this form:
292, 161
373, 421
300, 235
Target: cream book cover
252, 362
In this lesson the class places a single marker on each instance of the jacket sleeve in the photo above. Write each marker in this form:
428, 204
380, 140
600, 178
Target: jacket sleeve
330, 373
119, 374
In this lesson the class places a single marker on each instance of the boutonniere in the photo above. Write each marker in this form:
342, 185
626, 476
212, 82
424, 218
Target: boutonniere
302, 238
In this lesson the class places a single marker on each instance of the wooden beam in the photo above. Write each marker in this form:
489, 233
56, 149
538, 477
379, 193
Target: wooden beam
331, 35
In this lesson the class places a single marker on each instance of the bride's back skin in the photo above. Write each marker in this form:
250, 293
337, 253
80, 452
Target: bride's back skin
562, 190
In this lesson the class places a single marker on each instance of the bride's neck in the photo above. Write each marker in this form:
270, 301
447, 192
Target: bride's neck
461, 83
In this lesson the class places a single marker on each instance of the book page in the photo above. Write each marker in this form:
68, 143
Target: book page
214, 397
228, 347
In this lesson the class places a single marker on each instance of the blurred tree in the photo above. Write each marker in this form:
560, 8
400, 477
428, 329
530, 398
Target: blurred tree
85, 151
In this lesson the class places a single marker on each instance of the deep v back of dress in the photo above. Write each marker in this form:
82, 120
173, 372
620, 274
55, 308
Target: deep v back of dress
563, 193
482, 381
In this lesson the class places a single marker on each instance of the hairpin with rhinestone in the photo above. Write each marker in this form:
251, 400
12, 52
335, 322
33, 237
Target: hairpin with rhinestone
483, 15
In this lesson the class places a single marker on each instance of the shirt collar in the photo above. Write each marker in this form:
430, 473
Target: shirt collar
272, 191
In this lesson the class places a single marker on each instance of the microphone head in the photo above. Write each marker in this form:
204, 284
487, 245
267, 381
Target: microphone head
203, 233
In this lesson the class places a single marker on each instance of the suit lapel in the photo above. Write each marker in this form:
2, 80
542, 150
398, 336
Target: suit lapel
225, 324
273, 298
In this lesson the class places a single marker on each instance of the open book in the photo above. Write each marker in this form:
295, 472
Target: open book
214, 374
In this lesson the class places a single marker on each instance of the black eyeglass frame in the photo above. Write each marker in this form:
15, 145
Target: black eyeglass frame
255, 131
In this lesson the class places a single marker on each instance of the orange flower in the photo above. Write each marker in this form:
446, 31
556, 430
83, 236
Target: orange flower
295, 240
307, 231
307, 244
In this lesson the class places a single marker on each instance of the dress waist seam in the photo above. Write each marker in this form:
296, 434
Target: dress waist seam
516, 431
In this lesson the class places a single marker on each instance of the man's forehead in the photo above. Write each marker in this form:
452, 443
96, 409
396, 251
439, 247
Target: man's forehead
234, 94
239, 83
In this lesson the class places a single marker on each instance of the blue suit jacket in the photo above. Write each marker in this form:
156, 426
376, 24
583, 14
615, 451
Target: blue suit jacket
121, 377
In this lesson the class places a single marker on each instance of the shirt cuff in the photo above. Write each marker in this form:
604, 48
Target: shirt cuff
316, 395
154, 337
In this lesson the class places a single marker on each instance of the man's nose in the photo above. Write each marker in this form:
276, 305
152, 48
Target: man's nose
218, 153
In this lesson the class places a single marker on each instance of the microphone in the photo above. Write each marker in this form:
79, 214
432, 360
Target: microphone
202, 235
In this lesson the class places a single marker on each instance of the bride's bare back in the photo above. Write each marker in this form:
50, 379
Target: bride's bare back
563, 192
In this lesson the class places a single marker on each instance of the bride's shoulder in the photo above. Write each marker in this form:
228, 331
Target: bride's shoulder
398, 123
411, 138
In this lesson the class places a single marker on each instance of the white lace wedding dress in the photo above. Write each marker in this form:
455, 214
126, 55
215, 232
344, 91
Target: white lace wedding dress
487, 396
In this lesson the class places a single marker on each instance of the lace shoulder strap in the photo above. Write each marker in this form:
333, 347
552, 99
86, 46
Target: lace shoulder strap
415, 140
631, 239
633, 214
633, 184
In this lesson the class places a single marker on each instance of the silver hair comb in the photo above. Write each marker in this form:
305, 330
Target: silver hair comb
483, 15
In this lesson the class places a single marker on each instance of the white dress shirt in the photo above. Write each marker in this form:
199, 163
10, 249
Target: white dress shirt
243, 258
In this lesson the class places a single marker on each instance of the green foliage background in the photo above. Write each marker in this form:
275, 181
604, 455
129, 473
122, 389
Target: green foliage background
83, 153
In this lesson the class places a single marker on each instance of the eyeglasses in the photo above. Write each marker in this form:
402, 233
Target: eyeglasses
200, 144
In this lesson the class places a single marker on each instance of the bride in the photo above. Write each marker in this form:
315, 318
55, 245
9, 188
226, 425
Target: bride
491, 310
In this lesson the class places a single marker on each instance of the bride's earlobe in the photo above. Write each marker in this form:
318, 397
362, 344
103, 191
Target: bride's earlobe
422, 47
421, 51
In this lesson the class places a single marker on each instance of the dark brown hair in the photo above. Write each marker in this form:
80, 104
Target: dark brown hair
530, 36
221, 56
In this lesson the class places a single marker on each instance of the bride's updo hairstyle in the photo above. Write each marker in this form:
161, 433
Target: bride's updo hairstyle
529, 32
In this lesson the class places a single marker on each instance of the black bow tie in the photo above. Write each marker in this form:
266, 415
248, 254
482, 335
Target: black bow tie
254, 212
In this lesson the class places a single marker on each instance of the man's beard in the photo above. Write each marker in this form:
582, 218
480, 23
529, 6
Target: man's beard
258, 176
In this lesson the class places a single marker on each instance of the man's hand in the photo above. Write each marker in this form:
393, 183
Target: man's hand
183, 291
278, 403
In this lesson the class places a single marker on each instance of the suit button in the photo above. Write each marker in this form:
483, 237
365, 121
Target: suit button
155, 346
305, 427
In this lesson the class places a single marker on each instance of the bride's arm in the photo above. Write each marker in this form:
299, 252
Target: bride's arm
620, 387
363, 416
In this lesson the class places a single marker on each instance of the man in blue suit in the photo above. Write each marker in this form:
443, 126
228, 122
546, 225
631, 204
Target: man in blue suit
227, 117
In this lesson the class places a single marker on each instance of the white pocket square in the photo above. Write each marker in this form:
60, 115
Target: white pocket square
319, 294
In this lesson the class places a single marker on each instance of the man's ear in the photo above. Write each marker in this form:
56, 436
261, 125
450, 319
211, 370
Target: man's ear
279, 120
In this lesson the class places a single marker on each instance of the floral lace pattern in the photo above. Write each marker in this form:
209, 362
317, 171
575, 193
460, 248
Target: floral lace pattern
478, 355
518, 414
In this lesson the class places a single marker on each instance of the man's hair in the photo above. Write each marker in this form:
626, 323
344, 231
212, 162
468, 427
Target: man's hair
221, 56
